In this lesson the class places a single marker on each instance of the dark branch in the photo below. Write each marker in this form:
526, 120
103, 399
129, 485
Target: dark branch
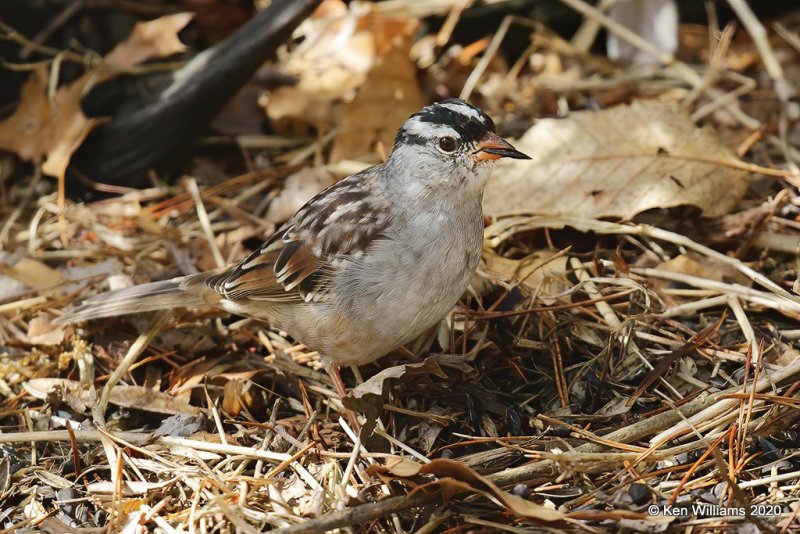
133, 143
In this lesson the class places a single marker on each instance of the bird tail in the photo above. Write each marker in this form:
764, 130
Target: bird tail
176, 293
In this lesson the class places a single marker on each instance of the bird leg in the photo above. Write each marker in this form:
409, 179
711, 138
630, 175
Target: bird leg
338, 385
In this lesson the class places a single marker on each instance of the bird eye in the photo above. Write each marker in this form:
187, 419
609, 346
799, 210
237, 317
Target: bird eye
448, 144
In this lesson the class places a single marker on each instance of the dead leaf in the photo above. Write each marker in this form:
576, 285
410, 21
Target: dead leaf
154, 38
68, 390
543, 271
242, 395
32, 273
389, 95
332, 64
149, 400
53, 525
44, 128
613, 408
79, 398
136, 397
341, 47
52, 479
52, 127
368, 397
42, 332
298, 189
618, 163
704, 267
429, 430
5, 473
402, 467
456, 477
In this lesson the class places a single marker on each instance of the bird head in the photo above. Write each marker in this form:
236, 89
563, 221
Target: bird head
452, 142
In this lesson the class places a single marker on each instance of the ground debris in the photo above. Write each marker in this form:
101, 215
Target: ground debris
626, 358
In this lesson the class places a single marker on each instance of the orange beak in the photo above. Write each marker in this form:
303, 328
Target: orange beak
494, 147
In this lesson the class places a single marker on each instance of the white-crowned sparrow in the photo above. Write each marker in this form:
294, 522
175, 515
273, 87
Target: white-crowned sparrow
370, 263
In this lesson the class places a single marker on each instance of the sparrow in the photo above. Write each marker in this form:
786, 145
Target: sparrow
370, 263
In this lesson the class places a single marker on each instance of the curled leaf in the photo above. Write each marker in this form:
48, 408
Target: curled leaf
368, 397
455, 477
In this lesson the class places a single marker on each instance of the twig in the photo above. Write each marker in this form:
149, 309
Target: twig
351, 462
446, 31
723, 405
360, 514
98, 410
23, 203
154, 328
591, 290
759, 36
22, 304
62, 17
88, 436
584, 38
788, 36
504, 228
621, 31
747, 328
533, 471
205, 224
695, 306
684, 71
491, 50
397, 443
753, 295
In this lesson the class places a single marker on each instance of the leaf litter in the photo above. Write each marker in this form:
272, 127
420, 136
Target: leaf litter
48, 127
630, 159
615, 351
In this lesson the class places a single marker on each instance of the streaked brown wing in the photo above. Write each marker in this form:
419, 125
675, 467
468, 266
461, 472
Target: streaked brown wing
299, 261
279, 271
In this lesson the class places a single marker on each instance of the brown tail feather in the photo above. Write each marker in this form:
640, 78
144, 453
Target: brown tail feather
176, 293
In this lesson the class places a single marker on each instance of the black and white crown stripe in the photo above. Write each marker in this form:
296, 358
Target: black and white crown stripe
448, 117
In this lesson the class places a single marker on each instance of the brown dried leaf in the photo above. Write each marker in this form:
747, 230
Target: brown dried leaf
136, 397
240, 394
79, 398
42, 332
154, 38
51, 128
341, 47
330, 66
543, 271
52, 479
368, 397
400, 466
47, 128
5, 474
456, 477
32, 273
704, 267
618, 163
181, 425
150, 400
386, 99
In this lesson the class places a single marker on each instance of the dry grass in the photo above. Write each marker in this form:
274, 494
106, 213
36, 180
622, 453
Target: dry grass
653, 363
